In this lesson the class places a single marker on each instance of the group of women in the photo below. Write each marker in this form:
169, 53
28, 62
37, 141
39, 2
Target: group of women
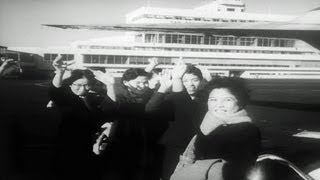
148, 130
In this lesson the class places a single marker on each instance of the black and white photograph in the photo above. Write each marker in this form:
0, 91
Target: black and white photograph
160, 90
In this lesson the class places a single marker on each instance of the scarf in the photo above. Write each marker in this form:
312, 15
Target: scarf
211, 122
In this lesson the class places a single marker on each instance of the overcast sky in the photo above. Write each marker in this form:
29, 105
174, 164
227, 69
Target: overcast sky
20, 20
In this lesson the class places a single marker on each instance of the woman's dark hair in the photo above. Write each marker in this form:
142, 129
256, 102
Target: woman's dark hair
191, 69
133, 73
156, 71
236, 86
78, 74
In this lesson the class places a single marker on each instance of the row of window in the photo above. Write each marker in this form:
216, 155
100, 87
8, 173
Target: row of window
301, 74
111, 59
192, 50
189, 18
3, 50
246, 65
65, 57
27, 58
262, 74
215, 40
309, 74
308, 65
105, 47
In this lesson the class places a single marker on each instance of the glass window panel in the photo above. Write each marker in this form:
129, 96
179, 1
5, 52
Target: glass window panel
174, 38
53, 56
212, 40
188, 39
168, 60
124, 59
200, 39
117, 60
140, 60
161, 38
87, 58
110, 59
265, 42
146, 60
193, 39
282, 43
206, 39
133, 60
47, 57
64, 57
276, 42
290, 43
260, 42
95, 59
181, 39
70, 57
161, 60
103, 59
168, 38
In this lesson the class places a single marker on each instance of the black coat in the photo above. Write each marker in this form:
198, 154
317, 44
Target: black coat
238, 144
184, 113
185, 116
129, 153
80, 119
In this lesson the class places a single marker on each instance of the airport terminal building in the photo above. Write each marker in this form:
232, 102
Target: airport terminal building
224, 55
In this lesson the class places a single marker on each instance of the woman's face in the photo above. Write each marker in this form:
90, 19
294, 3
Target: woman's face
80, 87
138, 85
191, 82
222, 103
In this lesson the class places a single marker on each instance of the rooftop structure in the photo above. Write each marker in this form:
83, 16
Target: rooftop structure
213, 12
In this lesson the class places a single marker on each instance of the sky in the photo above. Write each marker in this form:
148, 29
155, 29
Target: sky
20, 20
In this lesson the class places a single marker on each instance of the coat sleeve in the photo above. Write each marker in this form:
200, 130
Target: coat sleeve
160, 106
58, 95
155, 102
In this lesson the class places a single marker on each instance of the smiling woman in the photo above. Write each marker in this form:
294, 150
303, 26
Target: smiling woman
226, 102
222, 102
227, 139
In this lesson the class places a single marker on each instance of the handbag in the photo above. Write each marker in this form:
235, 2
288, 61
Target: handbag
192, 168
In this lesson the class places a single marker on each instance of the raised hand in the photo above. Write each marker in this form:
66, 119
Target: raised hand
153, 62
72, 66
60, 65
106, 78
178, 70
7, 63
205, 72
165, 81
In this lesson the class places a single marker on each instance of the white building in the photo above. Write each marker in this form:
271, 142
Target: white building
214, 12
253, 57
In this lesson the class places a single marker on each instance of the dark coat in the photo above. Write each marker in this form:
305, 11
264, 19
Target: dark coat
80, 119
185, 115
238, 144
132, 137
